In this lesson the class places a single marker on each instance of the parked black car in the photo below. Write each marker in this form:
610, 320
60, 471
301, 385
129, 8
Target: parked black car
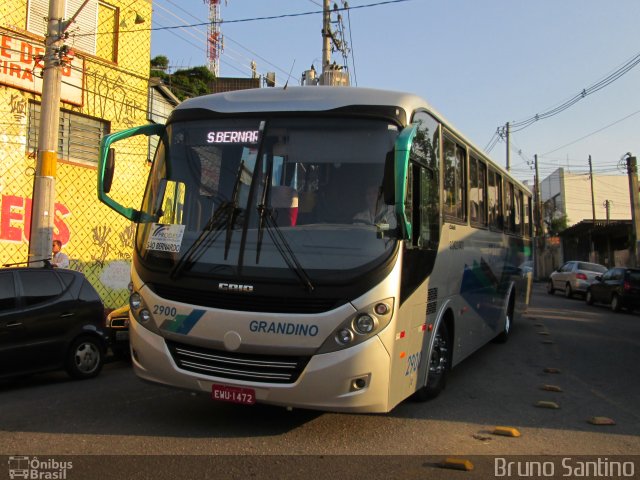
618, 287
50, 319
117, 325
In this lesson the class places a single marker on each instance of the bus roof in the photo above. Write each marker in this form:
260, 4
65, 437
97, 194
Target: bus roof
301, 99
318, 99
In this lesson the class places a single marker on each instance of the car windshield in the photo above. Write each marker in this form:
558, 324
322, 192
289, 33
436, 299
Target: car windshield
592, 267
270, 198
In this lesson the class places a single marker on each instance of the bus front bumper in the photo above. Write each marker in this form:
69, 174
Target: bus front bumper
331, 381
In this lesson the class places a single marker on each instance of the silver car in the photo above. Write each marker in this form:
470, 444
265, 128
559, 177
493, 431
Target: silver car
574, 277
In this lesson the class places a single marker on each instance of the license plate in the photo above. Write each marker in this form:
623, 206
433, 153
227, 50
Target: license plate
225, 393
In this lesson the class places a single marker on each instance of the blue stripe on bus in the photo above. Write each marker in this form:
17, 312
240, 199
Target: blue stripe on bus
183, 324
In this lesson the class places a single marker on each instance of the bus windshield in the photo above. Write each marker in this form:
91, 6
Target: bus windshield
269, 198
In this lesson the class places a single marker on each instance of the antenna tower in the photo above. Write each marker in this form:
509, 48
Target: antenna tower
215, 40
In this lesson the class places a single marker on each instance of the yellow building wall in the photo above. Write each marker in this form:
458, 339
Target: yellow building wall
98, 241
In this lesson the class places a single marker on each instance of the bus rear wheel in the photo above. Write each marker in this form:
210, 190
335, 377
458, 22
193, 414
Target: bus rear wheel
508, 321
439, 365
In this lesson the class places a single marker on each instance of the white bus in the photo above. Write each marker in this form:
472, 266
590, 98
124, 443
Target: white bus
318, 247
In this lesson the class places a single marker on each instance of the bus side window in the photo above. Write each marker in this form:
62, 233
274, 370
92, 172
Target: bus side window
495, 201
424, 184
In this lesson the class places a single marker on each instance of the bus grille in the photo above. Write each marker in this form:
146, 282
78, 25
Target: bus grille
247, 302
237, 366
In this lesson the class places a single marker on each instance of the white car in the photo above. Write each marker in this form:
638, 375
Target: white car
574, 277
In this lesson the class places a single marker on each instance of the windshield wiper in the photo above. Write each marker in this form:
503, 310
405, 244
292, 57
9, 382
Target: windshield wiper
283, 246
225, 215
266, 221
234, 209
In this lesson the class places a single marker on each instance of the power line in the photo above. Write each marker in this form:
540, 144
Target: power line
608, 80
253, 19
592, 133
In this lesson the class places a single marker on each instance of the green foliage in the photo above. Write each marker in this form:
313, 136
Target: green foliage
160, 62
555, 225
186, 83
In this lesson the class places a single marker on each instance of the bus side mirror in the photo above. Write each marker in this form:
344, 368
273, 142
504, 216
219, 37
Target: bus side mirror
110, 167
388, 182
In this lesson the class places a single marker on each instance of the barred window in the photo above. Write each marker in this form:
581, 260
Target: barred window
83, 33
79, 136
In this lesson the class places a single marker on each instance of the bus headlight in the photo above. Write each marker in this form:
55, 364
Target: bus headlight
144, 315
360, 326
344, 336
364, 324
135, 302
140, 312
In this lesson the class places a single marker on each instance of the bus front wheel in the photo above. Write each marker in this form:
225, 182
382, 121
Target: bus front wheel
439, 364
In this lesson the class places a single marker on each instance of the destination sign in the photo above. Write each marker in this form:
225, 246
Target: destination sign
233, 136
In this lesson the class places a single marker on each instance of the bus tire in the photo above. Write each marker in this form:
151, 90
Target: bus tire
508, 322
439, 365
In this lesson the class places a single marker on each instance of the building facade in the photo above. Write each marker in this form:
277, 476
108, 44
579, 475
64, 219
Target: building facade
605, 239
105, 88
570, 194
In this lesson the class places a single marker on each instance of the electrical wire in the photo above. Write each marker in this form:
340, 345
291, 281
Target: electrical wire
608, 80
592, 133
253, 19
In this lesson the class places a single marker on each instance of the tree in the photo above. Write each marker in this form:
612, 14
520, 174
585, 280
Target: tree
186, 83
160, 63
191, 82
556, 224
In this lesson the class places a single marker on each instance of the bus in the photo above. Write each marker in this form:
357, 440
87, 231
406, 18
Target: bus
324, 248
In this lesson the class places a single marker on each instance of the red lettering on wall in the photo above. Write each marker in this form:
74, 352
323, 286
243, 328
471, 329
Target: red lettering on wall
12, 213
5, 46
15, 220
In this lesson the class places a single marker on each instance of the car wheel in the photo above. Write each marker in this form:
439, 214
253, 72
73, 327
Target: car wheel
589, 297
85, 357
439, 364
568, 292
550, 289
615, 303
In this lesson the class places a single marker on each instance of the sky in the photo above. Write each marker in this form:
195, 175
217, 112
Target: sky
479, 63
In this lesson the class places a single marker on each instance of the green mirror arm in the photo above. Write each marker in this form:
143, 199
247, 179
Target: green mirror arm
105, 144
402, 150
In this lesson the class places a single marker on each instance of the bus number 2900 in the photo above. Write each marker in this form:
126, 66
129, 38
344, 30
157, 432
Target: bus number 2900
164, 310
413, 362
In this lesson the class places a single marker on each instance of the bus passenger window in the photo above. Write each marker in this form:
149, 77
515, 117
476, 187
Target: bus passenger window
495, 200
454, 180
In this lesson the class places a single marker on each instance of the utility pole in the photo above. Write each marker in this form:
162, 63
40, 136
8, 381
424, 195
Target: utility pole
632, 171
610, 256
538, 220
607, 208
507, 142
326, 37
593, 200
43, 198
